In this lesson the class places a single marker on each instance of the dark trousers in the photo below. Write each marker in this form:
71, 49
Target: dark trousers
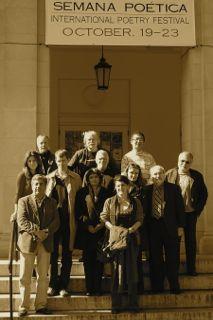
190, 241
125, 297
162, 244
61, 280
93, 270
140, 272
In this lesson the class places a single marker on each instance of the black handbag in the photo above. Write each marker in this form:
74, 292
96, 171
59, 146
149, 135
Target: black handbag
104, 253
118, 238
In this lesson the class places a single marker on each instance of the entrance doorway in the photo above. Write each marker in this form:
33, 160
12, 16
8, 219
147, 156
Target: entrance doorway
144, 95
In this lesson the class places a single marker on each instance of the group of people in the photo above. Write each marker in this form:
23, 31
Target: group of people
86, 201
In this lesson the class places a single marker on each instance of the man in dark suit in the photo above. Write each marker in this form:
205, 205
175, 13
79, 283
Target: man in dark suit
47, 157
37, 219
164, 212
194, 194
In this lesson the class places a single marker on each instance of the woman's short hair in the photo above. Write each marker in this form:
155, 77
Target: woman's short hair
121, 178
62, 153
91, 172
37, 177
34, 154
87, 134
138, 133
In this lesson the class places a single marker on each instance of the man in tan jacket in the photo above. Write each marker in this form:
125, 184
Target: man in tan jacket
62, 186
37, 219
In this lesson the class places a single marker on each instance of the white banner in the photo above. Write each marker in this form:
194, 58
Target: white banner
120, 22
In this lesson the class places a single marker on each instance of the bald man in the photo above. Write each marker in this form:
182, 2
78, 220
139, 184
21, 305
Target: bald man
164, 212
194, 193
47, 157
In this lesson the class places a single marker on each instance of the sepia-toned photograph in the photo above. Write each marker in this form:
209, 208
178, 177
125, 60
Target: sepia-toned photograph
106, 111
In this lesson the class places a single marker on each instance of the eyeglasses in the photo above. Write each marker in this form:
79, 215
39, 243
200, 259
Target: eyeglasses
138, 139
185, 161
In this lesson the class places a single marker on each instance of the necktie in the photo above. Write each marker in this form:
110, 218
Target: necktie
157, 208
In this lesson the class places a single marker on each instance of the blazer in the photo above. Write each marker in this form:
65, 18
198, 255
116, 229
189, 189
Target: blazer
174, 215
28, 221
73, 183
199, 193
51, 164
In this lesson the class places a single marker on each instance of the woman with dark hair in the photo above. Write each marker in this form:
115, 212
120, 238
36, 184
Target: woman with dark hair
136, 181
137, 184
32, 166
124, 214
89, 205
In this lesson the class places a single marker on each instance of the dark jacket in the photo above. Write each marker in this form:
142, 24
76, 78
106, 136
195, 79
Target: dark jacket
86, 216
48, 162
199, 192
174, 215
28, 221
83, 160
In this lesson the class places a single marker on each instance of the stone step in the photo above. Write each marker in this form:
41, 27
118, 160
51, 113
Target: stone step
204, 264
180, 314
77, 268
187, 299
77, 283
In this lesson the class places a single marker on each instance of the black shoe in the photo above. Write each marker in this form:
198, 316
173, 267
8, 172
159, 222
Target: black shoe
51, 292
22, 313
134, 310
64, 293
115, 311
192, 273
157, 291
89, 293
175, 291
44, 311
34, 275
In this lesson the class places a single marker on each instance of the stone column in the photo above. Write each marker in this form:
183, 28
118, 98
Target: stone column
197, 112
43, 82
20, 82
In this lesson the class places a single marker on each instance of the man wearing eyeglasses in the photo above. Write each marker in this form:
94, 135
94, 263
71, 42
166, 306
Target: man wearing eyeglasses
194, 193
138, 156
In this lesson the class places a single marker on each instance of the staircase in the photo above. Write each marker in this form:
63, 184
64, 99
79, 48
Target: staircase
196, 301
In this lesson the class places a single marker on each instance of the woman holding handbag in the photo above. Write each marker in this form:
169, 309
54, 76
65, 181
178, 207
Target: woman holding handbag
89, 205
123, 215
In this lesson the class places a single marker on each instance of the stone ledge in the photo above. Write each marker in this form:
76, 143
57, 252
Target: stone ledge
203, 299
77, 283
186, 314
